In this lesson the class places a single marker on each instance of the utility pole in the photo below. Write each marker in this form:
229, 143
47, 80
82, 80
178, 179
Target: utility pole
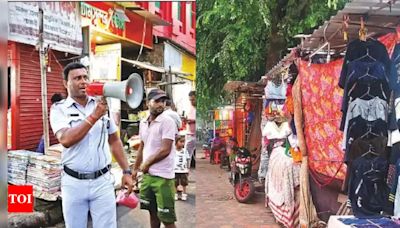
43, 54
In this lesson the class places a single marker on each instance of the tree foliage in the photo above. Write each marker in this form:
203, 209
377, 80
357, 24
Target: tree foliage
241, 40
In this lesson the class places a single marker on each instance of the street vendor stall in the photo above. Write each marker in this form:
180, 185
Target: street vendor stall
346, 115
223, 122
247, 101
247, 115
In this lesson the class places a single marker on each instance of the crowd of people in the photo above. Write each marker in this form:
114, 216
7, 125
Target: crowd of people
81, 124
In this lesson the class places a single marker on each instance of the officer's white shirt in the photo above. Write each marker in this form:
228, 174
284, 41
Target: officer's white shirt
92, 153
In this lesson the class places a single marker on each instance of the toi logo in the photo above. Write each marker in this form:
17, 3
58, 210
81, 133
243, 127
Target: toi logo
20, 198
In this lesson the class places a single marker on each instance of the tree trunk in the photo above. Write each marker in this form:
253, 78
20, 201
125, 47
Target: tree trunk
276, 42
277, 45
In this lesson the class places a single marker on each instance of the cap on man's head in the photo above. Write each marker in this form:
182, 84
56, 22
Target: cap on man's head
156, 94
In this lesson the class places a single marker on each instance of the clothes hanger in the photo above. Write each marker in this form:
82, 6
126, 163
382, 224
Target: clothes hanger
369, 132
370, 170
370, 151
367, 93
367, 74
366, 55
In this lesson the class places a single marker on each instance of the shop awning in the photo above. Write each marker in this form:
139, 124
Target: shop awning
109, 38
149, 66
380, 17
154, 19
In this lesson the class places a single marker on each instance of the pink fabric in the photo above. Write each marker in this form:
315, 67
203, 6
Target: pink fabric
163, 127
130, 201
321, 102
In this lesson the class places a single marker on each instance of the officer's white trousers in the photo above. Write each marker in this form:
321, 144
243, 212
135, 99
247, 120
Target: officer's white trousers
81, 196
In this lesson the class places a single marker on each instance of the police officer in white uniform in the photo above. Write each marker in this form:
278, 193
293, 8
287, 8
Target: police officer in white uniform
81, 125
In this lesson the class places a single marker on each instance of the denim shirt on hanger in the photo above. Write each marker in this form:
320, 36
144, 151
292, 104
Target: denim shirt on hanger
364, 78
396, 63
358, 48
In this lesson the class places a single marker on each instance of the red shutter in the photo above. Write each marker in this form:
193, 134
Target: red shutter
29, 113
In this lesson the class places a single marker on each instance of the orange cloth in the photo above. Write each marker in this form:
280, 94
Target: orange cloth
321, 99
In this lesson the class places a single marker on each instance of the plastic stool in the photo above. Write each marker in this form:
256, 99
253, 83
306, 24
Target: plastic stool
207, 154
217, 157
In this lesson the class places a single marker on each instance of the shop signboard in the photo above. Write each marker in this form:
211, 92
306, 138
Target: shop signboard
109, 21
61, 25
106, 63
172, 57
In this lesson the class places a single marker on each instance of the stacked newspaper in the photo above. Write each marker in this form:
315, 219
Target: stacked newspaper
55, 150
44, 173
18, 164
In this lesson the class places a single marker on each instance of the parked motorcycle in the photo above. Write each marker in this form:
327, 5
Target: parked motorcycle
240, 178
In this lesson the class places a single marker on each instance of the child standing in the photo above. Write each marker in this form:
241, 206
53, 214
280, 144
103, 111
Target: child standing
181, 167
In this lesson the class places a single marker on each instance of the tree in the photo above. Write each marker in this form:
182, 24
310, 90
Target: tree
242, 40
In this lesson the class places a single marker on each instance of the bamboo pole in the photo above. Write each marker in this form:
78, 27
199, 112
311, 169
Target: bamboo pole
42, 55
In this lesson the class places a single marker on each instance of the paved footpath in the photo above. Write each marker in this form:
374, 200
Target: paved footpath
216, 206
137, 218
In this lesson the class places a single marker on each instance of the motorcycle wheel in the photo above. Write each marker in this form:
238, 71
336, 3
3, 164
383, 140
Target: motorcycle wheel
244, 194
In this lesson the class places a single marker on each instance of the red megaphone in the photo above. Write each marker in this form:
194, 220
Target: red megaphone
130, 90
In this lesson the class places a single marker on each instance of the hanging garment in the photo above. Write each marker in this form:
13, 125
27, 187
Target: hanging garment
394, 157
273, 91
397, 111
321, 99
368, 192
273, 131
358, 147
273, 107
394, 196
364, 79
396, 211
263, 168
361, 145
264, 158
370, 110
283, 178
396, 62
357, 49
394, 153
288, 109
359, 127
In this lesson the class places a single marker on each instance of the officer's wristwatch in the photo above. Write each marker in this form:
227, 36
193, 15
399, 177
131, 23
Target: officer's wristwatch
127, 171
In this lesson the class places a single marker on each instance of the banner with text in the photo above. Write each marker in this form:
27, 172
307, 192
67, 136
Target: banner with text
61, 24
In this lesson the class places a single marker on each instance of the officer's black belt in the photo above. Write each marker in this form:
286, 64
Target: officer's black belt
84, 176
